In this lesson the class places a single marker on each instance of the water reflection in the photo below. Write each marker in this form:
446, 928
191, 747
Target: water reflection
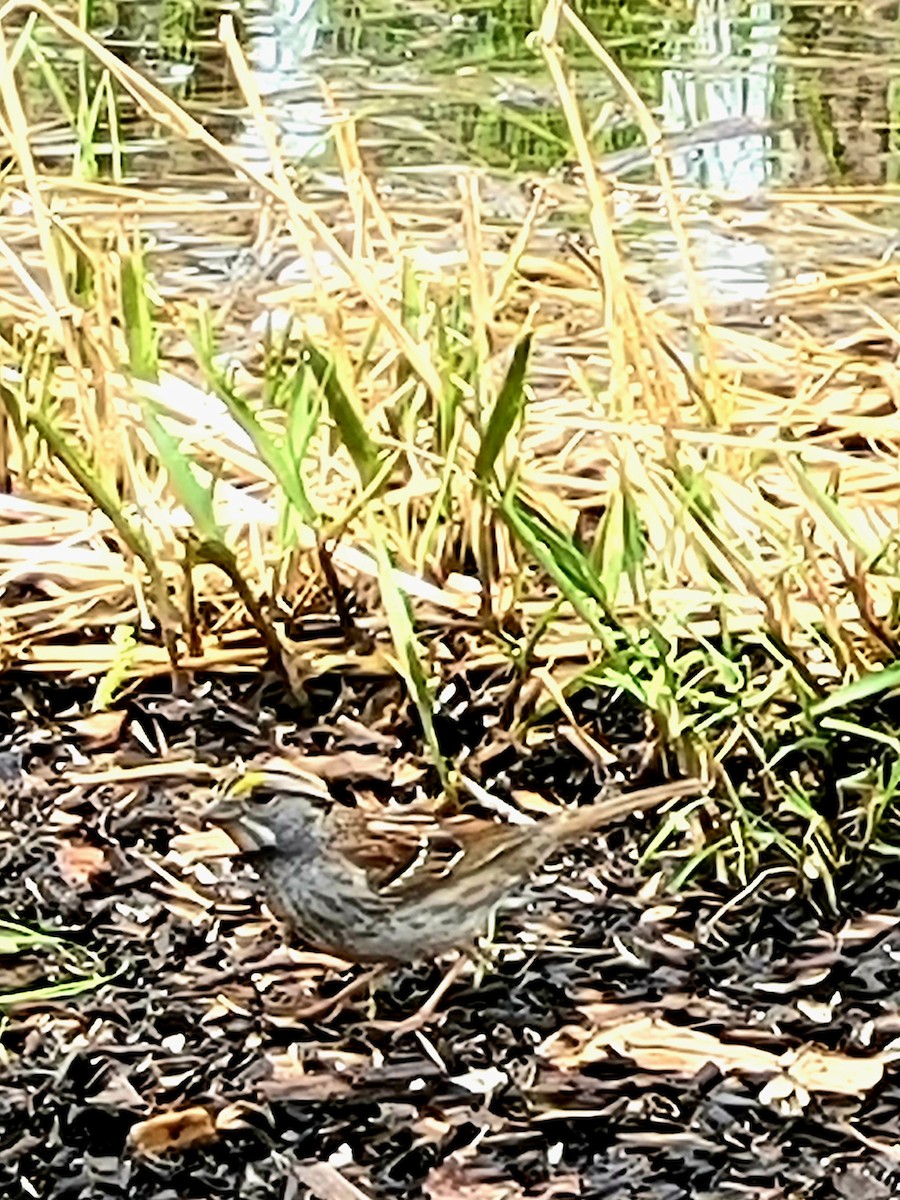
443, 80
730, 77
458, 83
786, 93
731, 73
281, 47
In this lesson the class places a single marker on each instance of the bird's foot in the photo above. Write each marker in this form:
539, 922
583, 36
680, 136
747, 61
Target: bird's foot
331, 1005
428, 1013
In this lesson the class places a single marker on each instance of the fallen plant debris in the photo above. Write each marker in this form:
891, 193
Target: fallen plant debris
195, 1032
80, 863
327, 1183
655, 1044
173, 1132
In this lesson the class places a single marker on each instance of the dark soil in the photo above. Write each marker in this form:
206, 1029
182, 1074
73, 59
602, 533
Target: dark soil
199, 1010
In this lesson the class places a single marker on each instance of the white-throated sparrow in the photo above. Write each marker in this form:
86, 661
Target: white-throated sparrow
390, 888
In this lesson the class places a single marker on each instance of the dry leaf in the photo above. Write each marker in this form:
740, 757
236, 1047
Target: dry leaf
172, 1132
119, 1092
830, 1071
100, 728
820, 1011
867, 928
327, 1183
289, 1080
784, 987
480, 1080
534, 802
451, 1181
348, 764
80, 863
656, 1045
239, 1115
658, 913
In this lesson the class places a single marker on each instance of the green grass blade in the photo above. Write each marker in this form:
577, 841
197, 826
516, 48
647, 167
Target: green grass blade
304, 411
863, 733
85, 475
196, 497
619, 546
506, 412
53, 991
125, 645
346, 416
874, 683
15, 938
554, 549
830, 509
272, 451
140, 326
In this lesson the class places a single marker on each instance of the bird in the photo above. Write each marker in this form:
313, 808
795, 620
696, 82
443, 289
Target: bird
377, 887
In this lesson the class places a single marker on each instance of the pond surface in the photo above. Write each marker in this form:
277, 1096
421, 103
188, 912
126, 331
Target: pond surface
812, 86
756, 96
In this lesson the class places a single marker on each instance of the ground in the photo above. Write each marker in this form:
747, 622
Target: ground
661, 1085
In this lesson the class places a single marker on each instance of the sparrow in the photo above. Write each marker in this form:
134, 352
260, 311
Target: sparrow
395, 888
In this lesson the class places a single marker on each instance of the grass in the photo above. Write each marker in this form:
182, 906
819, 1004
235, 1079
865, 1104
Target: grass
17, 940
491, 443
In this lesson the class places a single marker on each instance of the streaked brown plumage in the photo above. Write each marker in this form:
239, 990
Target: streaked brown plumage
374, 889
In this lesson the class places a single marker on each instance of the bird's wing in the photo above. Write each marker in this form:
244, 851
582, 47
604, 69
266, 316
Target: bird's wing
405, 854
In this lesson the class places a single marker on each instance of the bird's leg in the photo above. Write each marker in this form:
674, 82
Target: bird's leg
424, 1015
481, 952
333, 1004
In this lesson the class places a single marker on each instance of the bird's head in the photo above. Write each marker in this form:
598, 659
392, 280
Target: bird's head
272, 809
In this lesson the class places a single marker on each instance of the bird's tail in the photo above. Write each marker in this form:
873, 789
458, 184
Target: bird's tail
582, 821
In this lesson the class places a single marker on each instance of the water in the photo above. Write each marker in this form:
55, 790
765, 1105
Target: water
783, 95
458, 82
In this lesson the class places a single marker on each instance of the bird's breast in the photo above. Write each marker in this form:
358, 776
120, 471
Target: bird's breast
341, 914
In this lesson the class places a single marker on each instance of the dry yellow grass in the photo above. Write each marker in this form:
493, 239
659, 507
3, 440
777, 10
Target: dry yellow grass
763, 467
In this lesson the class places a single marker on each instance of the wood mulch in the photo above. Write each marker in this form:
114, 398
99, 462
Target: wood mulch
621, 1042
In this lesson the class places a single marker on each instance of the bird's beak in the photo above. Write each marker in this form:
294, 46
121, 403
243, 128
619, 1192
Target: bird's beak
247, 834
233, 811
